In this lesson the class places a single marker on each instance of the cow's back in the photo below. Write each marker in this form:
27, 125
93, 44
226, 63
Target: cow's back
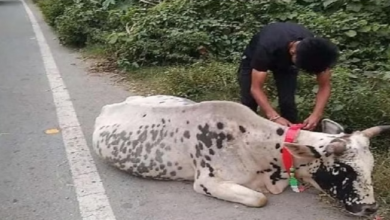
138, 138
157, 136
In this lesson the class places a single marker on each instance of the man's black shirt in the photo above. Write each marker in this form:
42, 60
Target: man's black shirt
268, 49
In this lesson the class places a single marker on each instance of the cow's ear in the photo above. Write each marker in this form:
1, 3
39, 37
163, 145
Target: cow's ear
331, 127
302, 151
336, 147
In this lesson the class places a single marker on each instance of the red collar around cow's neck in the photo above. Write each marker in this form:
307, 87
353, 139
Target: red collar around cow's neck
291, 134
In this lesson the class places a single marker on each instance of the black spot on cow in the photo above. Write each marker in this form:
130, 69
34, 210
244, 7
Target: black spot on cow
211, 170
260, 171
171, 134
340, 177
211, 151
194, 162
277, 174
177, 130
159, 155
169, 164
143, 136
188, 122
276, 160
135, 143
277, 146
280, 131
197, 174
163, 121
198, 148
321, 146
173, 173
203, 163
207, 157
144, 115
206, 136
205, 190
154, 134
314, 151
186, 134
179, 168
220, 125
242, 129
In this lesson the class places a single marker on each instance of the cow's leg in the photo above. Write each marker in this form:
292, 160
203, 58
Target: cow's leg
229, 191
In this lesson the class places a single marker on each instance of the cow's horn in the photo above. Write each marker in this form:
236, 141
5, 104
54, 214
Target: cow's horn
375, 131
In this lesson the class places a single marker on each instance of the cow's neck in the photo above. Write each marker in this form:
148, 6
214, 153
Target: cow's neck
318, 142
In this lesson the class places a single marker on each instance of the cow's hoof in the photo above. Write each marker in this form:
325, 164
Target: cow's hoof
258, 202
262, 201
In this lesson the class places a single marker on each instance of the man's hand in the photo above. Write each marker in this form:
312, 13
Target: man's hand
311, 122
283, 121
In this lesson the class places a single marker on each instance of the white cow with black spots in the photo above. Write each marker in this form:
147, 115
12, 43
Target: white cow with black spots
231, 153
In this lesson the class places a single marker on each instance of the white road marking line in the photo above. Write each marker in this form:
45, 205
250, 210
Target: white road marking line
91, 196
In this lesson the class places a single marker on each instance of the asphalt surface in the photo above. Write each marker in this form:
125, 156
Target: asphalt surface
35, 178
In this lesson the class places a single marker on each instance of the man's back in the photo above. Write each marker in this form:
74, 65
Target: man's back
275, 38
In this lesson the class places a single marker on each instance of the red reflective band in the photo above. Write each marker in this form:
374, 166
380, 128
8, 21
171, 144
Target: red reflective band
290, 137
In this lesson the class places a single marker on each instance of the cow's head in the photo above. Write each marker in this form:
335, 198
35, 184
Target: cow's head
341, 165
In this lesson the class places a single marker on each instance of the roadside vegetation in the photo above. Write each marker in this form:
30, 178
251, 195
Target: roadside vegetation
192, 49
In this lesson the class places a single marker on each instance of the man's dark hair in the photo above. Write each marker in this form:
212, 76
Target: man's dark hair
314, 55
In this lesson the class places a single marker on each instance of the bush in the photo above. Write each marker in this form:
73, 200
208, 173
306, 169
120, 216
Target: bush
53, 9
183, 31
82, 24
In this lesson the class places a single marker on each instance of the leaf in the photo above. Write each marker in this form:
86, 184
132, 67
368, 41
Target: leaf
107, 3
355, 60
388, 52
52, 131
338, 107
350, 75
356, 7
315, 89
365, 29
113, 39
327, 3
351, 33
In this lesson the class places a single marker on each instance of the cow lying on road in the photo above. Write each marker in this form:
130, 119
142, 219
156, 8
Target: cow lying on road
231, 153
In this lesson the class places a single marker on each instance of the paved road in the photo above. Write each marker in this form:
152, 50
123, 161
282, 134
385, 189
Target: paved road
36, 181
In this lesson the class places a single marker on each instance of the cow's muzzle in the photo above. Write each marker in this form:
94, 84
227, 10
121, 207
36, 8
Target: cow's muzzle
362, 209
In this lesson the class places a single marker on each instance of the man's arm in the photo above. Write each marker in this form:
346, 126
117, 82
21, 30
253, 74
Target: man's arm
258, 79
323, 94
